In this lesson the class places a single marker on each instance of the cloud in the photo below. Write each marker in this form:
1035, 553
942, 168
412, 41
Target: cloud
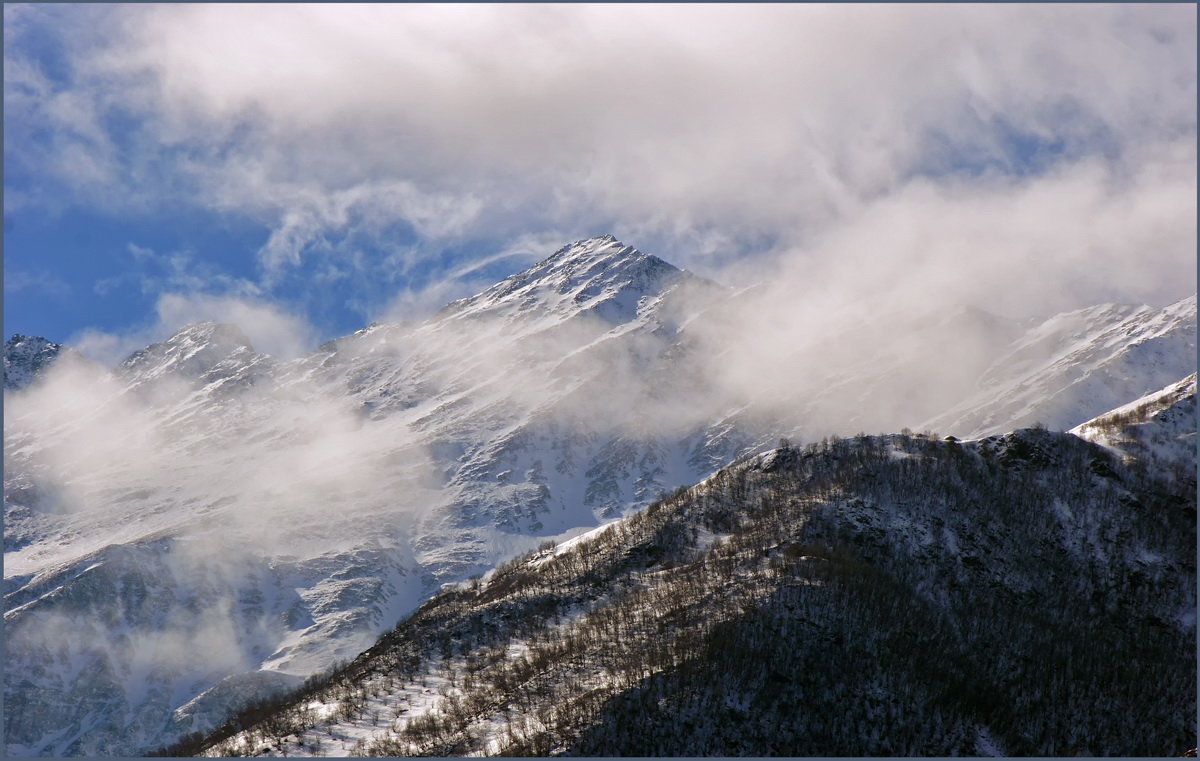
1013, 244
905, 287
155, 273
863, 161
108, 348
271, 329
739, 127
38, 281
225, 516
304, 218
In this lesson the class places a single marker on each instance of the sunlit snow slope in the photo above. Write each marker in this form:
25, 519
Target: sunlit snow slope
1077, 365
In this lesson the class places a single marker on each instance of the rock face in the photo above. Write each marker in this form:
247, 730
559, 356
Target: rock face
284, 514
26, 358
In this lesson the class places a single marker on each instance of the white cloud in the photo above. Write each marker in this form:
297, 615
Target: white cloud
690, 129
304, 220
108, 348
270, 328
38, 281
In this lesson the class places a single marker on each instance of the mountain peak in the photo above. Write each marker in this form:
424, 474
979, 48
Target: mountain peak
581, 275
28, 342
211, 331
604, 249
25, 358
192, 351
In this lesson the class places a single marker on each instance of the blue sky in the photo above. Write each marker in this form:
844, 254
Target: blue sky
75, 267
310, 169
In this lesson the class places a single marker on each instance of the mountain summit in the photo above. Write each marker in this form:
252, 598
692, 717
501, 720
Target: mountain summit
217, 357
190, 352
26, 358
601, 276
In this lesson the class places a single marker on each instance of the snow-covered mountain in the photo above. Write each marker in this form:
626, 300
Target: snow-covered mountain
202, 355
207, 524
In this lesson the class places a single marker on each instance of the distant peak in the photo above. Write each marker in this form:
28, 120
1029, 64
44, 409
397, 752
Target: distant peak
225, 335
587, 271
592, 244
194, 349
605, 249
596, 240
19, 339
211, 329
26, 358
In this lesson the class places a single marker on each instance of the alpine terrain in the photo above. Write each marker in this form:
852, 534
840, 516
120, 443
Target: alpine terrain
537, 522
1025, 594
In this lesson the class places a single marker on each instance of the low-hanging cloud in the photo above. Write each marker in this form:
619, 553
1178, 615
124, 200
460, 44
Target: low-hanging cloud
265, 456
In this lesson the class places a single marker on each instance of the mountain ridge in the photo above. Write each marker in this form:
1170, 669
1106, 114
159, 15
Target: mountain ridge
392, 461
929, 591
444, 479
26, 358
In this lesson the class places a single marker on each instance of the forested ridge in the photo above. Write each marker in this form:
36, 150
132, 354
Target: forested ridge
1031, 594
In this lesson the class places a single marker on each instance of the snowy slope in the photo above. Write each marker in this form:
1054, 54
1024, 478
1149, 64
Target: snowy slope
1159, 428
285, 513
150, 555
1077, 365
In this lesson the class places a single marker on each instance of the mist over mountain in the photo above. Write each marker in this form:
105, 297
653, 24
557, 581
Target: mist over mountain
205, 524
